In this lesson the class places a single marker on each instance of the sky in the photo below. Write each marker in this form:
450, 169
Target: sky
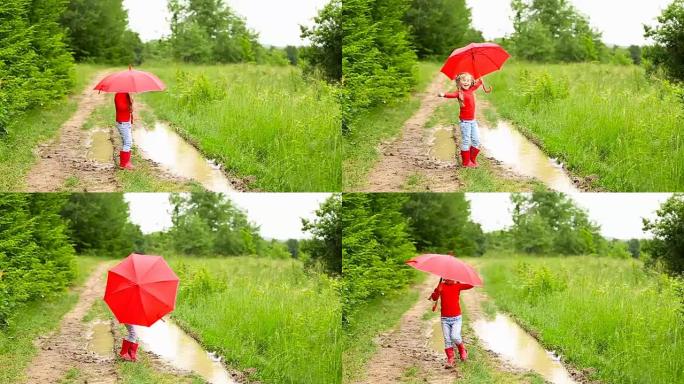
276, 21
278, 214
620, 21
619, 214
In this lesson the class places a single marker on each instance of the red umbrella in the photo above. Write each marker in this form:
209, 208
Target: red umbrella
141, 289
447, 267
478, 59
130, 81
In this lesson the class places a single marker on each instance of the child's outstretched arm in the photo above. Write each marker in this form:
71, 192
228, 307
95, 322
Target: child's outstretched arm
464, 287
479, 83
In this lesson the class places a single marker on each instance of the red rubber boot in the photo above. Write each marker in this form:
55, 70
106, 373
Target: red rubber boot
473, 155
125, 160
125, 347
462, 352
465, 159
133, 351
450, 356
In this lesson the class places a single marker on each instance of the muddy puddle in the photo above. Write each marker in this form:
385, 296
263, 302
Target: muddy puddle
442, 146
100, 146
164, 146
512, 148
100, 339
515, 346
167, 340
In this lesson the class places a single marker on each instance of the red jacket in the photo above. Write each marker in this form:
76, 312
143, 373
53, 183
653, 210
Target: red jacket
123, 107
468, 107
451, 297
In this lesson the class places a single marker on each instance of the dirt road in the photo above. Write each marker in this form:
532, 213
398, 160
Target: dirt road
407, 346
66, 348
65, 156
410, 155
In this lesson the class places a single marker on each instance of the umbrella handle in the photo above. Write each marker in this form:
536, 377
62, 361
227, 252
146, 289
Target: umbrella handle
484, 88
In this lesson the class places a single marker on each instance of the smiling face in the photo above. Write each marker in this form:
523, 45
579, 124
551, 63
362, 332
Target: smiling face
464, 81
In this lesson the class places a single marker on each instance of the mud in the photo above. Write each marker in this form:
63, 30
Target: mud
64, 158
413, 154
166, 340
408, 346
166, 148
68, 348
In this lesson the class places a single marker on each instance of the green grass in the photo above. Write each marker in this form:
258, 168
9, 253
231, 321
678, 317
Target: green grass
264, 314
34, 127
612, 316
266, 123
30, 321
381, 123
614, 123
143, 372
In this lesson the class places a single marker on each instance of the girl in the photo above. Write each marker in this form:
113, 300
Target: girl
124, 118
470, 138
449, 291
129, 346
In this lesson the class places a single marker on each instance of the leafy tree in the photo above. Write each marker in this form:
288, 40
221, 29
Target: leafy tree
36, 258
668, 50
635, 54
327, 235
378, 64
325, 52
99, 224
439, 26
553, 30
375, 245
441, 223
206, 223
98, 31
35, 65
293, 247
204, 31
550, 222
667, 244
634, 248
292, 53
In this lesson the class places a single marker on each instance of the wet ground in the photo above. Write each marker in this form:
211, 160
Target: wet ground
171, 344
164, 146
512, 148
511, 343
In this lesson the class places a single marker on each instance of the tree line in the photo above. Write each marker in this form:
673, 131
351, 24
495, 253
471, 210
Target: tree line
42, 234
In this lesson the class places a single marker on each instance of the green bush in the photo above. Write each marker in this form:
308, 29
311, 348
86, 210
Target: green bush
538, 281
539, 89
36, 257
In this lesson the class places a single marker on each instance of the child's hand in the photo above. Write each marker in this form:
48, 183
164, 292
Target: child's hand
441, 94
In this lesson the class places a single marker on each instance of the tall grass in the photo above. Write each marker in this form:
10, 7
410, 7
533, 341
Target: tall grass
265, 314
600, 119
607, 314
269, 124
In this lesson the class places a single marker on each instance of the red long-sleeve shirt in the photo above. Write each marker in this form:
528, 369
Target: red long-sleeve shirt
451, 297
468, 106
123, 107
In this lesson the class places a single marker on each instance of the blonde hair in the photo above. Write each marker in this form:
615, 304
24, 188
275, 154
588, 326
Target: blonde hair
465, 75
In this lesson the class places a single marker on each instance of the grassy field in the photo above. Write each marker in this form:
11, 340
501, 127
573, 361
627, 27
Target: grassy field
381, 123
269, 124
34, 127
600, 119
16, 341
264, 314
606, 314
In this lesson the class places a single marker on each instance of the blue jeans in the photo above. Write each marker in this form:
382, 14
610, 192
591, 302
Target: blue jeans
132, 336
470, 137
451, 328
126, 136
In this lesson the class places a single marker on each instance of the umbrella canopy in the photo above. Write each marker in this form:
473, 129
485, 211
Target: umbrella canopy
447, 267
130, 81
141, 289
478, 59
